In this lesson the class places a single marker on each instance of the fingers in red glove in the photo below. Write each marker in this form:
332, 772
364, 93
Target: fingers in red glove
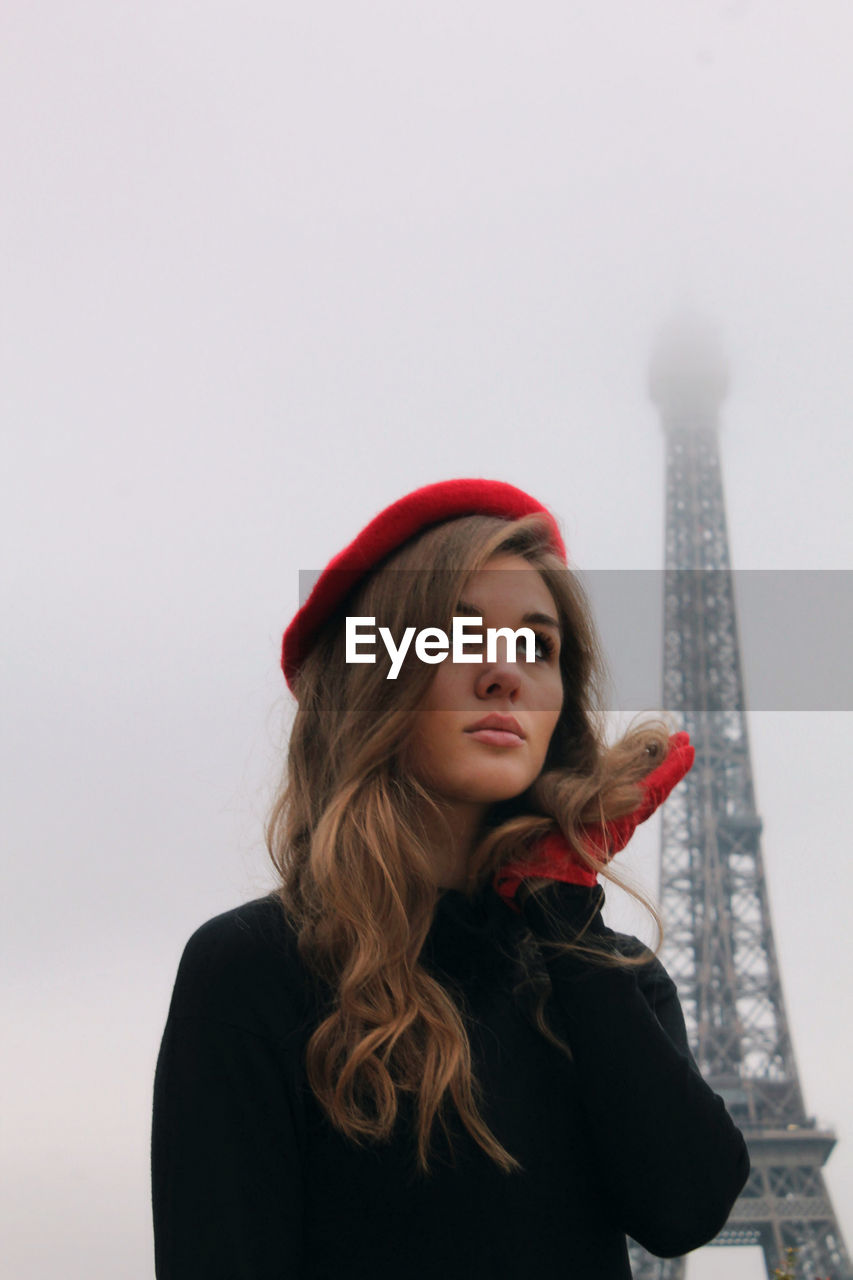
656, 786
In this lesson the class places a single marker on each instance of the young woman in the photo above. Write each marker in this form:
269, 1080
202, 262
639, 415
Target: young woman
424, 1054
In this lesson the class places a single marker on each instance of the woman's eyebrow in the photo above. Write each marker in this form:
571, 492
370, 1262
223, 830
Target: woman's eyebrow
542, 620
538, 619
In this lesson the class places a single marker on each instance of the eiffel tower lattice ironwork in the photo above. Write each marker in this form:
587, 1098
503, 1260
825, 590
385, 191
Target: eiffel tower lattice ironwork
719, 944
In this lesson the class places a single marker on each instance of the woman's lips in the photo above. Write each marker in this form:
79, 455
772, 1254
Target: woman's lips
497, 737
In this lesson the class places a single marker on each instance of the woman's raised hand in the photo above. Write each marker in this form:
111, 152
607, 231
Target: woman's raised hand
552, 858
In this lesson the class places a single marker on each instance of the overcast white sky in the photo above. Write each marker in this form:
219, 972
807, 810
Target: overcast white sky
267, 267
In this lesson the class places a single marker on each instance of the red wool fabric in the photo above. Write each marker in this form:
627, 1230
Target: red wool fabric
552, 858
390, 529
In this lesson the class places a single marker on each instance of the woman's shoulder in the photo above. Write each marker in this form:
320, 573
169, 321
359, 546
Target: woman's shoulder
243, 967
245, 932
652, 977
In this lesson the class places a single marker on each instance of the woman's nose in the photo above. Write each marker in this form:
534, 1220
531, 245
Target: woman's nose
498, 679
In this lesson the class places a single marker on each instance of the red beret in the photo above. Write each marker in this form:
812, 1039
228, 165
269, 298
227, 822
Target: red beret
434, 503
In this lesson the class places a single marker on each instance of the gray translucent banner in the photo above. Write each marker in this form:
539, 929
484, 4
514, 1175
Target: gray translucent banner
763, 640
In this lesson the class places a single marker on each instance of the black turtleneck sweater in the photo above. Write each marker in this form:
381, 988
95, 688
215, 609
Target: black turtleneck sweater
252, 1182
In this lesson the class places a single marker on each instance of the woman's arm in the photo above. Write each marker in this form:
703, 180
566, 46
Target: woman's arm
226, 1170
669, 1157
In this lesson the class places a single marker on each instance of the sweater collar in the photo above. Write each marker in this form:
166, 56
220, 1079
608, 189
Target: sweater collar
470, 933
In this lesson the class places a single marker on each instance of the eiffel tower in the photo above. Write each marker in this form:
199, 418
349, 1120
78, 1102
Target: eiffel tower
719, 944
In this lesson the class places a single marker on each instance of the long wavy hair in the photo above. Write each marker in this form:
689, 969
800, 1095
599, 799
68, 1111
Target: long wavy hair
348, 838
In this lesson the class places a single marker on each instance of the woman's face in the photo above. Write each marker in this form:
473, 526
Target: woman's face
482, 732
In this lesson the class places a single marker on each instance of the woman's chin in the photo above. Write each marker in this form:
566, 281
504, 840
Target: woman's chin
493, 790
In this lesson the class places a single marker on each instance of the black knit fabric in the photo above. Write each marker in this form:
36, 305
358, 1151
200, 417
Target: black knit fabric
251, 1181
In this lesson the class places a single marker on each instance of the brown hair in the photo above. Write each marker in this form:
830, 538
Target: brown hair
346, 832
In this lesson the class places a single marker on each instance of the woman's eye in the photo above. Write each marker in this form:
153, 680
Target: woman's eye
545, 646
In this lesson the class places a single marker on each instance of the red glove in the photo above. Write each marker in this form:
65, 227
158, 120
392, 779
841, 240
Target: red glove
552, 858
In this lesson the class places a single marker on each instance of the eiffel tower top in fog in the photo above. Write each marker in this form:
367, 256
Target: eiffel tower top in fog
689, 373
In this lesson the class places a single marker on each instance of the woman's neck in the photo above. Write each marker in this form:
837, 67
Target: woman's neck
451, 837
